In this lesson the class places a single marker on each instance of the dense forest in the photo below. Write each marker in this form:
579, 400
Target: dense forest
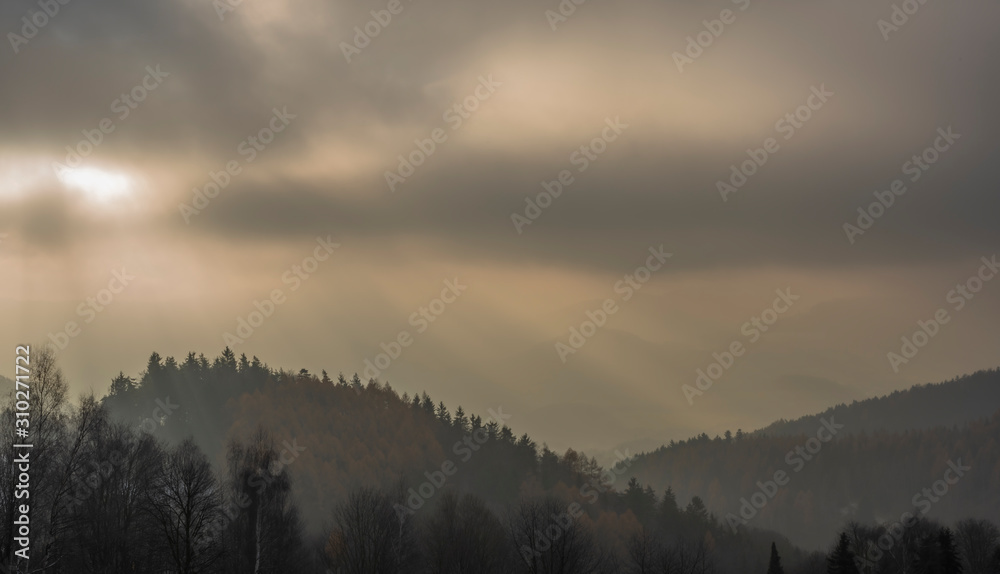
230, 466
864, 474
947, 404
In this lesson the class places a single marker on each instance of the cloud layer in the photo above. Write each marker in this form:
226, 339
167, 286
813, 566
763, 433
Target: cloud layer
509, 104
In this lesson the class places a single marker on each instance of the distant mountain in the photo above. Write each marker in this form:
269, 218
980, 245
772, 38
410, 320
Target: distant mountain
339, 436
947, 404
883, 455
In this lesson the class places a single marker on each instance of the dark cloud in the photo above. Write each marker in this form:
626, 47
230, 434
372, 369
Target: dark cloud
655, 185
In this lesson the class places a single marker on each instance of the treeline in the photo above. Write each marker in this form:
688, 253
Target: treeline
918, 546
114, 494
861, 476
109, 496
318, 475
552, 533
946, 404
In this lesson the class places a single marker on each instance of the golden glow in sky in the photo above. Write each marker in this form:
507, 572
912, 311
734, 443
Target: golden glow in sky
99, 185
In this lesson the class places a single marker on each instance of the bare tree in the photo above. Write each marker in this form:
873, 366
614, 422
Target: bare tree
75, 463
369, 536
550, 540
693, 557
185, 501
60, 435
441, 535
643, 548
464, 536
978, 541
112, 529
265, 535
47, 433
651, 551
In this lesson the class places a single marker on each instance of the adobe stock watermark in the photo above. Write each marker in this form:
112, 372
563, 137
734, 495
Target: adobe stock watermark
787, 125
923, 501
223, 7
626, 288
91, 306
421, 319
566, 9
294, 277
697, 44
753, 330
583, 157
915, 167
958, 297
464, 449
455, 117
364, 33
249, 148
899, 17
796, 460
33, 22
123, 106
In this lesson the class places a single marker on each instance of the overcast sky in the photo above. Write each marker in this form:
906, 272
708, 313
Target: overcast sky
671, 118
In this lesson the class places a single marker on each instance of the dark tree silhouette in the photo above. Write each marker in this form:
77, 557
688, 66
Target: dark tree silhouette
464, 536
185, 502
128, 493
550, 540
265, 534
774, 566
950, 561
841, 561
370, 535
114, 530
977, 540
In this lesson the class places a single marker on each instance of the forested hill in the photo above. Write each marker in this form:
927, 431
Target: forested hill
869, 461
388, 483
947, 404
396, 483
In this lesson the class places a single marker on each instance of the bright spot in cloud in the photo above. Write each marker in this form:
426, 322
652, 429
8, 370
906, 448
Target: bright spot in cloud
18, 175
99, 185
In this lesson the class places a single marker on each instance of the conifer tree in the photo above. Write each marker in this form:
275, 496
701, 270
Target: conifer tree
950, 562
842, 559
775, 565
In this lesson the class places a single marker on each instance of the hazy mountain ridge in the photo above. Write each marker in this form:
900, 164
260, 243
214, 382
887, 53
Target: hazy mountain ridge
414, 485
955, 402
885, 451
354, 439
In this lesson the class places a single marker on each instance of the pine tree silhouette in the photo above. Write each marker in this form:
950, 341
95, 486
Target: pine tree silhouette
949, 559
775, 566
842, 559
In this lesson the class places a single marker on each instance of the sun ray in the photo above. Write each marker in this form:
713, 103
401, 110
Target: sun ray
99, 185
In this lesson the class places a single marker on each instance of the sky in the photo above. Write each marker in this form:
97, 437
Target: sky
562, 210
